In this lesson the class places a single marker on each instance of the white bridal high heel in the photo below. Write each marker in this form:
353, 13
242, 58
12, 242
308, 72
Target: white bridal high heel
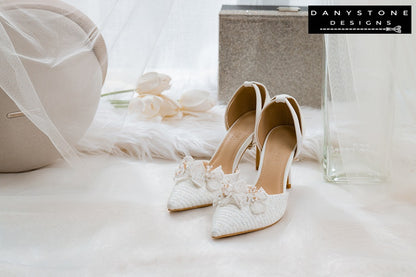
197, 181
242, 208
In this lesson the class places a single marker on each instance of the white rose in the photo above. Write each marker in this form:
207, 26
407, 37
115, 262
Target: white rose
196, 101
153, 83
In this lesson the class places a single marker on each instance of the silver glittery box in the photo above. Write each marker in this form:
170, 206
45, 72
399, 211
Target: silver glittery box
271, 45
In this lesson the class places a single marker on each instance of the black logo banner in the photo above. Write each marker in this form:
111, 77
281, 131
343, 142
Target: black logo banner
360, 19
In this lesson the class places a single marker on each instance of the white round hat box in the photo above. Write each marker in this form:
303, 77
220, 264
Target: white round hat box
68, 85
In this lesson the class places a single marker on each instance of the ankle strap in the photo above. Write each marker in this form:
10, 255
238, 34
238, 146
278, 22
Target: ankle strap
295, 113
245, 100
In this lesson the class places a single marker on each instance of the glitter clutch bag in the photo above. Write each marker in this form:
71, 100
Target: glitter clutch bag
270, 44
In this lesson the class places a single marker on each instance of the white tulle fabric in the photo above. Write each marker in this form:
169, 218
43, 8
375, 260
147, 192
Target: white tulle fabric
114, 20
36, 45
196, 184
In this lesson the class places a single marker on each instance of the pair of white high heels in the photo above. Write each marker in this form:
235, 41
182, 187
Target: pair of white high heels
274, 127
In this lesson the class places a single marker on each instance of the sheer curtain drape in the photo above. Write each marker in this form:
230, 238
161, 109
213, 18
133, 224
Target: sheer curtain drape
180, 38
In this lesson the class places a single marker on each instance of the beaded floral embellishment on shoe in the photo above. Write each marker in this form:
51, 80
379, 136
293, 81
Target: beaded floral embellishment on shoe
240, 194
201, 174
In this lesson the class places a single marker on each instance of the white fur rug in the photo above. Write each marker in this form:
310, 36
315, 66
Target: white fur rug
115, 132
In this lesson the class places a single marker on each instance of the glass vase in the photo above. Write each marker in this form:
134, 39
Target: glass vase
358, 108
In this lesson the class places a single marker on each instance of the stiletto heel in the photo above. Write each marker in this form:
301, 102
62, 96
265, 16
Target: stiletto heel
257, 158
243, 208
197, 181
289, 180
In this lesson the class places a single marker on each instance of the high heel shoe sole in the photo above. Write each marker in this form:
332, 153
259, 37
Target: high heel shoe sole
245, 232
189, 208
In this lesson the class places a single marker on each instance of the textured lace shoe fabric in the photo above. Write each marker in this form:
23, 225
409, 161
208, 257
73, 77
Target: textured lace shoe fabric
196, 184
242, 208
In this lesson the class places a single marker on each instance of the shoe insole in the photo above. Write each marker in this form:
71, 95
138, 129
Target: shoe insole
278, 146
242, 128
